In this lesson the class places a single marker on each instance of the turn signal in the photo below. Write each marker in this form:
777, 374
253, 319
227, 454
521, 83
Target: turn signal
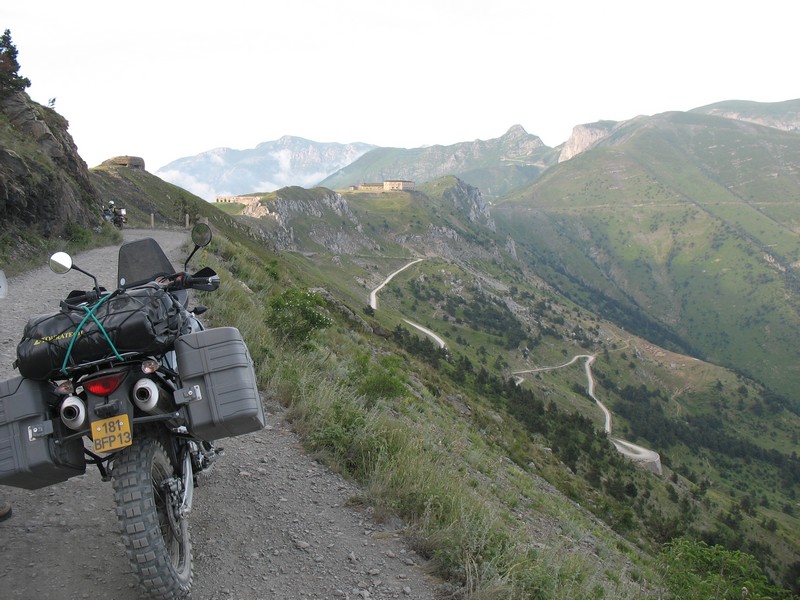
105, 384
149, 366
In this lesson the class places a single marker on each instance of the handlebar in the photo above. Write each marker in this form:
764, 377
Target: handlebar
205, 280
206, 284
77, 297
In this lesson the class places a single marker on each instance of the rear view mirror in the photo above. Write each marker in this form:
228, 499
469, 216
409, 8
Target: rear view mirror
201, 235
60, 263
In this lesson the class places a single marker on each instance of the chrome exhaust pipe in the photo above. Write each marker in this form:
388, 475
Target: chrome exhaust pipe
73, 413
146, 395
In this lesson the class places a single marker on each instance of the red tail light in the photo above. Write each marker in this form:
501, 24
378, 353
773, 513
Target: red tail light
106, 384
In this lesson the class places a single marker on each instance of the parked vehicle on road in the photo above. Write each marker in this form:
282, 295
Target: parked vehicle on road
130, 381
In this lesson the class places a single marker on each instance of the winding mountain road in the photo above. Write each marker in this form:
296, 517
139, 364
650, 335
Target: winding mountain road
373, 302
637, 453
373, 295
651, 459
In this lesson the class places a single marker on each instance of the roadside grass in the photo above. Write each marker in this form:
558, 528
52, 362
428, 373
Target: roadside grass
366, 417
24, 249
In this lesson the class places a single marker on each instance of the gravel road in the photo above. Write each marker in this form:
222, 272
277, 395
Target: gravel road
268, 521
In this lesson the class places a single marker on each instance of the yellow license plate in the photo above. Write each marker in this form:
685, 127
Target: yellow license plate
112, 434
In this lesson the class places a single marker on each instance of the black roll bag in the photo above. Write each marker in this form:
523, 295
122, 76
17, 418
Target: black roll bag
143, 320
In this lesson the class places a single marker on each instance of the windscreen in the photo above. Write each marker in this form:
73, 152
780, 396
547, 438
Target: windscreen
141, 261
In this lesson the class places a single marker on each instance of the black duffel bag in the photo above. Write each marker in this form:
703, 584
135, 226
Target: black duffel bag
144, 320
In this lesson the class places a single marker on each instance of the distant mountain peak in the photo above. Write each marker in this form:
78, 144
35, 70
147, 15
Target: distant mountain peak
289, 160
778, 115
516, 131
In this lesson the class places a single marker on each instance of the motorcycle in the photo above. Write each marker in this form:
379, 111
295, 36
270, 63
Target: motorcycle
132, 382
119, 218
116, 216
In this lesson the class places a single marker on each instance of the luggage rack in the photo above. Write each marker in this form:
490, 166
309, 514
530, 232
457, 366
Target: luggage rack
84, 368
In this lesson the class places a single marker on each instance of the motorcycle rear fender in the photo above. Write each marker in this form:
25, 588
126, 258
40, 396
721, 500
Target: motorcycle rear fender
117, 403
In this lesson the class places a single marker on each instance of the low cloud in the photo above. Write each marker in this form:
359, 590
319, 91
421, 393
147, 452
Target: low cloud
189, 183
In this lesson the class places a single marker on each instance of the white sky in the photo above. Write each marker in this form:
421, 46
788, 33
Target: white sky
164, 80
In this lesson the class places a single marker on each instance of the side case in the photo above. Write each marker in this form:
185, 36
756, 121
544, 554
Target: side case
32, 455
219, 385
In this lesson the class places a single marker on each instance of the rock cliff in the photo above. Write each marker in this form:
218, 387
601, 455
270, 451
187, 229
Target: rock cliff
469, 200
584, 137
328, 221
44, 183
295, 218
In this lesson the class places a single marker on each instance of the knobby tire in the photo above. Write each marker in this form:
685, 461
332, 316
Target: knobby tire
159, 549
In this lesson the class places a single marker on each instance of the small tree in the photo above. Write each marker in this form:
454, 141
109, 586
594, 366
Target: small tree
296, 314
695, 570
10, 80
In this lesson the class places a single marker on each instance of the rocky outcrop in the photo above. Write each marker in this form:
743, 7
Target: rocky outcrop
584, 137
295, 201
322, 220
333, 225
469, 200
44, 183
257, 210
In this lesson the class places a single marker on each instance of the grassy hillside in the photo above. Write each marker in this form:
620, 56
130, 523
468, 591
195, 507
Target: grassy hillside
683, 228
512, 489
726, 442
504, 484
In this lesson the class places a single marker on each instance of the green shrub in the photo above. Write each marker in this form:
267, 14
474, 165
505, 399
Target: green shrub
385, 380
296, 314
695, 570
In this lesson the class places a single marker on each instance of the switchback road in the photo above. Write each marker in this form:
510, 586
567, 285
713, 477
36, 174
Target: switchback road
373, 302
637, 453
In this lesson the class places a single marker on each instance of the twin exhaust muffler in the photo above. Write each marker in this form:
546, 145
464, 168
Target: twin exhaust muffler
73, 413
146, 395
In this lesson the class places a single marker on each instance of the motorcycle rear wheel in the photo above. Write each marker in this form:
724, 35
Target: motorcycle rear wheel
156, 540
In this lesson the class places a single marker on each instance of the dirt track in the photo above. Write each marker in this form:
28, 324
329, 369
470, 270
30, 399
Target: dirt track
649, 458
268, 521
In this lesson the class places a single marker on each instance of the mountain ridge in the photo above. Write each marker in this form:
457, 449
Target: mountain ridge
497, 166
